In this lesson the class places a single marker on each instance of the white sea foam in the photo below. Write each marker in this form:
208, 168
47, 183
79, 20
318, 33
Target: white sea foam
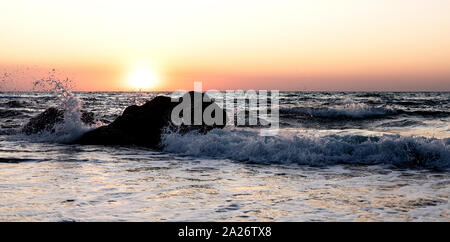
348, 108
244, 145
72, 127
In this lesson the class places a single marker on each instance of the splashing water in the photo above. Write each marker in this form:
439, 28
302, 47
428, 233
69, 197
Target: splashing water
72, 127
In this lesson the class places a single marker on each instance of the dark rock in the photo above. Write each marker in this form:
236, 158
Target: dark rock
47, 120
44, 121
143, 125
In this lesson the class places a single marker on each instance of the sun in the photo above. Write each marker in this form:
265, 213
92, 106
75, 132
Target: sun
142, 78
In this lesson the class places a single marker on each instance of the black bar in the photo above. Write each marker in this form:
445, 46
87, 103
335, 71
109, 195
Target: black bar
222, 231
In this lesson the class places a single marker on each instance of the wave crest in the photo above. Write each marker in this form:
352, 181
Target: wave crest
345, 109
244, 145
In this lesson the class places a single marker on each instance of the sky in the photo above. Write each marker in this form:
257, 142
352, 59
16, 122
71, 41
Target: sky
332, 45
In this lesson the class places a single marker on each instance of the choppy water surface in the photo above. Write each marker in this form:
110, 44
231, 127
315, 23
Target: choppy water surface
338, 156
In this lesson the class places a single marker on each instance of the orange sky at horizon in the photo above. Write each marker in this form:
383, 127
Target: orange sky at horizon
331, 45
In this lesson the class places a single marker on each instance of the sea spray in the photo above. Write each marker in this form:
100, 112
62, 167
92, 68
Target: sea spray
72, 127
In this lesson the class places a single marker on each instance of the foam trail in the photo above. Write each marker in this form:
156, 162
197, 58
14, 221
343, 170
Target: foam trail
244, 145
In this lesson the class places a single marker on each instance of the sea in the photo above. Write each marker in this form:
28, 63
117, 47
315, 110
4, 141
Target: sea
338, 156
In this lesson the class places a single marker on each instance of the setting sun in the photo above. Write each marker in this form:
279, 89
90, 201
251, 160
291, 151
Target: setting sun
142, 78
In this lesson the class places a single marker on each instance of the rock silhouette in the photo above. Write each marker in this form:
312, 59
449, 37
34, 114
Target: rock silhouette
47, 120
138, 125
143, 125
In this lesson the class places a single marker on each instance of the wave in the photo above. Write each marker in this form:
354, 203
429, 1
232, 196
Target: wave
72, 127
65, 133
402, 123
17, 160
425, 113
15, 104
4, 113
360, 111
350, 109
245, 145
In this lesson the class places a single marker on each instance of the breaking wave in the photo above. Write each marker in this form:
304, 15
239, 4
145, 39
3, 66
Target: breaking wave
349, 109
346, 109
71, 128
245, 145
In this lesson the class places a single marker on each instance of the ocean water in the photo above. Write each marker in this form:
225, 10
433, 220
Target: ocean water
350, 156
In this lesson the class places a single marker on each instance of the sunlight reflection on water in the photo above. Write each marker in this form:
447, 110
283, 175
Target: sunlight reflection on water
151, 186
